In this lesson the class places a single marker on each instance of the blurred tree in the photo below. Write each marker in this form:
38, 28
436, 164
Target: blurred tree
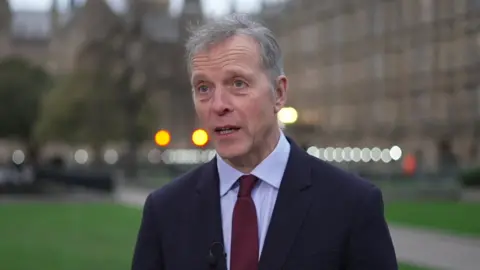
132, 84
22, 85
80, 109
134, 76
95, 104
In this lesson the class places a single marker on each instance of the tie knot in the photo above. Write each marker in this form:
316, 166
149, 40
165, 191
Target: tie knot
247, 182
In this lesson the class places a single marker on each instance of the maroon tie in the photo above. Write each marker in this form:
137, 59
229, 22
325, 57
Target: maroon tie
244, 249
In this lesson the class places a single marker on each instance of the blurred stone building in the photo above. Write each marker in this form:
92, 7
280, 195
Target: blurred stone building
363, 73
385, 72
56, 39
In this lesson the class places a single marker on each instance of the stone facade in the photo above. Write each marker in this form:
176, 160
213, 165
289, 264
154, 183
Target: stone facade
386, 72
363, 73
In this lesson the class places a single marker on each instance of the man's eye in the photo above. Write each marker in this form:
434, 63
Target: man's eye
202, 88
239, 83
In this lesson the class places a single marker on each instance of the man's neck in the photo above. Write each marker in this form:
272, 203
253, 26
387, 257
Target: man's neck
263, 149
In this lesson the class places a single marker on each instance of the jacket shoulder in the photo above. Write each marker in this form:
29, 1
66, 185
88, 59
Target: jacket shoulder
343, 181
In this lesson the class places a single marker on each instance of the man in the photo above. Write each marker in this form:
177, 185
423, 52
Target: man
262, 202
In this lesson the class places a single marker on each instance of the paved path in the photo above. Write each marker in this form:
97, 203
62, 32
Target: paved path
416, 246
436, 250
131, 197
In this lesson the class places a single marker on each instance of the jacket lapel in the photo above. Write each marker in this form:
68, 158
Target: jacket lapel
207, 221
291, 206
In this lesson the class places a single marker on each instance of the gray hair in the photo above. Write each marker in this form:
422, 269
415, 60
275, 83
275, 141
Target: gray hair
218, 30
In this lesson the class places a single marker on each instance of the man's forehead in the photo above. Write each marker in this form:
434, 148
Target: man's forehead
238, 54
234, 44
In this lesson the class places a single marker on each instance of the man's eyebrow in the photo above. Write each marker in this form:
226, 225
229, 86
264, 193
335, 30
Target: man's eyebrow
239, 72
197, 77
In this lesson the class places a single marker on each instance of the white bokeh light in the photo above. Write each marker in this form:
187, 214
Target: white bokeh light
154, 156
207, 155
366, 155
110, 156
321, 153
81, 156
386, 156
287, 115
395, 152
356, 154
347, 154
313, 151
18, 157
337, 154
329, 152
376, 154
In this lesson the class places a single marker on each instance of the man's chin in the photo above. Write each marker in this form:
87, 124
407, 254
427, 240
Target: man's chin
231, 151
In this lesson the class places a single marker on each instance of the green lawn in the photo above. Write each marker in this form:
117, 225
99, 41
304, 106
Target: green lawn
67, 236
456, 217
48, 236
411, 267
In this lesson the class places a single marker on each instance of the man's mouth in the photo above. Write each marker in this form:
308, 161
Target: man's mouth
225, 130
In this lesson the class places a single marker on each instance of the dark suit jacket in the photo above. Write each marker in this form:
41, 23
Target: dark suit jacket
324, 219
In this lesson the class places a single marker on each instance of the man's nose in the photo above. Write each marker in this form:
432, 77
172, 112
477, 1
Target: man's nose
221, 102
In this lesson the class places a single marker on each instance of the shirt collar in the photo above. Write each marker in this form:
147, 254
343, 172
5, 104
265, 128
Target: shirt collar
270, 170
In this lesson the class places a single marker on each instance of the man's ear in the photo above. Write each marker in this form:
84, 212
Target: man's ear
281, 87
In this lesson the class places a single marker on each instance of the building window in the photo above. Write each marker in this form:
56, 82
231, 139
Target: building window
422, 58
476, 50
446, 56
408, 12
477, 99
472, 98
361, 23
337, 115
327, 76
337, 74
426, 10
350, 32
393, 17
337, 68
309, 38
461, 47
370, 21
470, 51
322, 33
421, 105
328, 29
378, 109
442, 107
337, 30
378, 65
310, 79
378, 19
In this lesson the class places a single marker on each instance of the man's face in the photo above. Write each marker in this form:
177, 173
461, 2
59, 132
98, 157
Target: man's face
234, 98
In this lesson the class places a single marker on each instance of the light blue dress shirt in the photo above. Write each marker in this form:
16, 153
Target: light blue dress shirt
270, 173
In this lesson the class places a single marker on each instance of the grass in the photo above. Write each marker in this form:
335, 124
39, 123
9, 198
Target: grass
67, 236
455, 217
48, 236
403, 266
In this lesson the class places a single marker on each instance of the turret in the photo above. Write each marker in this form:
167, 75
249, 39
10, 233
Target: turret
192, 14
54, 17
5, 16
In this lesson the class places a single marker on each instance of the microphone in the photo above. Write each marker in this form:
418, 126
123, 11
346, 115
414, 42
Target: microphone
217, 257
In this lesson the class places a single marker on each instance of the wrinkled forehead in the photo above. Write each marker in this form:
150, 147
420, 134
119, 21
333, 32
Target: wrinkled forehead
237, 50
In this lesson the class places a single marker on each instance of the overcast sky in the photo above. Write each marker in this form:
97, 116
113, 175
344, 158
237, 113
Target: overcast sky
211, 7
